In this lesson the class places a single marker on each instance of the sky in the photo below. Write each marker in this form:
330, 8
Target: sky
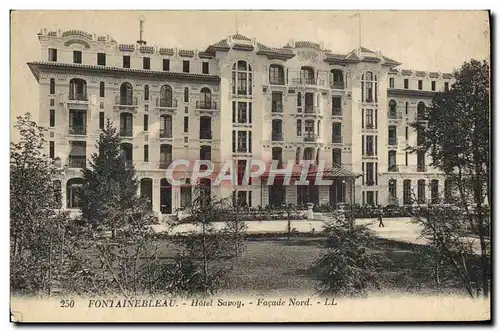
423, 40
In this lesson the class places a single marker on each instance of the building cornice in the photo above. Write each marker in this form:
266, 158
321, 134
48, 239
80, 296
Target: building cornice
37, 67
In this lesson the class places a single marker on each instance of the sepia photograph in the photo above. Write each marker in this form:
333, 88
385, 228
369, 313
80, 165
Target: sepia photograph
250, 166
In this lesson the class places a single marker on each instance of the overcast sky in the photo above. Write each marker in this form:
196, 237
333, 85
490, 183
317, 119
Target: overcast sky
424, 40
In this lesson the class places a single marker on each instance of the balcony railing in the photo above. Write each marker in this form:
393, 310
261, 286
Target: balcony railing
369, 126
392, 141
308, 81
277, 81
77, 162
336, 139
277, 108
421, 168
337, 111
205, 134
337, 85
125, 101
126, 132
78, 96
77, 130
164, 164
242, 149
310, 138
166, 103
206, 105
166, 133
309, 109
277, 136
369, 153
393, 168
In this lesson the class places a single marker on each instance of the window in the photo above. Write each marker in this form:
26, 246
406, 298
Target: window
277, 130
433, 85
186, 124
101, 120
446, 86
406, 158
243, 112
276, 75
369, 87
337, 133
299, 99
407, 104
126, 61
421, 191
146, 92
102, 89
126, 124
52, 87
391, 162
73, 187
166, 64
51, 149
276, 102
447, 191
406, 83
420, 84
392, 190
337, 105
126, 94
369, 145
434, 191
393, 139
242, 198
52, 102
166, 96
185, 66
242, 141
52, 54
369, 174
186, 193
407, 192
146, 153
420, 161
52, 118
391, 82
336, 79
77, 56
101, 59
369, 119
309, 128
242, 78
146, 63
186, 95
241, 169
420, 136
307, 75
146, 122
406, 133
204, 68
392, 109
337, 157
299, 127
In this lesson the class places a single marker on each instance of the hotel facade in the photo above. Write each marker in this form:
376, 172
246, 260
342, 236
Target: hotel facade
239, 100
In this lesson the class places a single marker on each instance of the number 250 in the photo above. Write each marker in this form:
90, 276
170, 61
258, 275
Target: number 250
67, 303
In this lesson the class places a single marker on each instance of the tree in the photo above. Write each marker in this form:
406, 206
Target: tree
33, 219
455, 131
235, 225
109, 195
351, 265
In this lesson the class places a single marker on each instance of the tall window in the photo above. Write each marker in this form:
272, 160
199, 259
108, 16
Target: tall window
77, 56
146, 122
336, 79
52, 54
336, 132
146, 153
126, 61
307, 75
146, 92
299, 127
205, 98
51, 149
185, 66
369, 118
77, 89
186, 95
186, 193
337, 157
393, 139
420, 84
126, 124
276, 75
101, 59
421, 191
406, 83
101, 120
391, 82
337, 105
126, 92
391, 162
166, 64
52, 118
392, 189
52, 87
369, 87
420, 111
407, 200
446, 86
434, 191
433, 85
146, 63
406, 107
309, 128
369, 145
276, 102
102, 88
242, 78
370, 174
392, 109
166, 96
166, 126
204, 68
420, 161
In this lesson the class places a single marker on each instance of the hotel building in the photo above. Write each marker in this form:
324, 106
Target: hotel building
239, 100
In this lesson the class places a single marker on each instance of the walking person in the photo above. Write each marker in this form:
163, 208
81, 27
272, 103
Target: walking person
380, 219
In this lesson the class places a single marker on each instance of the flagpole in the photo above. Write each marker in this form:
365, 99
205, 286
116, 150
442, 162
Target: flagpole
359, 17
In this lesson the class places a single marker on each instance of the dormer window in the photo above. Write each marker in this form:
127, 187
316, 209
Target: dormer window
52, 54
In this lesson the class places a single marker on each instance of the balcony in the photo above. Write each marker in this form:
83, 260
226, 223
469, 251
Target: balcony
205, 134
277, 136
336, 111
74, 100
307, 81
337, 85
206, 105
166, 105
336, 139
77, 162
164, 164
392, 168
77, 97
311, 138
126, 132
77, 130
126, 102
277, 81
393, 141
166, 133
421, 168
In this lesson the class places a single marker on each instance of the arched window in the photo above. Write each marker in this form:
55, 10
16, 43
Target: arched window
102, 89
205, 98
166, 96
242, 78
392, 190
392, 109
336, 79
434, 191
307, 75
73, 189
337, 157
126, 124
52, 87
276, 74
147, 192
420, 111
126, 92
186, 95
77, 89
146, 92
421, 191
407, 199
369, 88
